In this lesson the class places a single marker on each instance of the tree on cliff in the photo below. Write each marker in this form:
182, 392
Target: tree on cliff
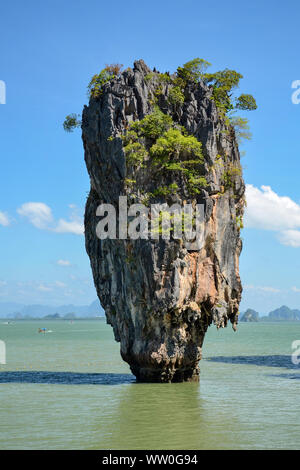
223, 84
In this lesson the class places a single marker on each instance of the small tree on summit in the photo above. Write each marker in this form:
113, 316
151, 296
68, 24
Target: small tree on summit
94, 90
223, 84
193, 70
98, 80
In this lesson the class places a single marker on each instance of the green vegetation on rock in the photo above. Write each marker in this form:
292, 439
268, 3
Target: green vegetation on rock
246, 103
222, 82
193, 70
230, 175
151, 127
241, 128
159, 140
176, 96
71, 122
98, 80
239, 222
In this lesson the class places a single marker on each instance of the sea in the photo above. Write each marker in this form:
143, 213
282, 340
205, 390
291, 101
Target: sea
68, 388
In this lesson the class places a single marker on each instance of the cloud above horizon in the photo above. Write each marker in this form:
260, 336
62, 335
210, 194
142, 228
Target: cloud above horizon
42, 291
266, 210
268, 289
40, 216
44, 288
63, 262
4, 220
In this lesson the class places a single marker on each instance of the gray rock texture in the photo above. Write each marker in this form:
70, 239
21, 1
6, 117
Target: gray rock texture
158, 296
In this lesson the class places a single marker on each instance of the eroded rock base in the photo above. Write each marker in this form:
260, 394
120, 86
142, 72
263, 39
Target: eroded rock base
166, 376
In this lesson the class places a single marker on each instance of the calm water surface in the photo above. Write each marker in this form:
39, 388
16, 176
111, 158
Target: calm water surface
69, 389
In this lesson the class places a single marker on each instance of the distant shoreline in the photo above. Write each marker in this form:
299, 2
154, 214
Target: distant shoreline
103, 318
68, 320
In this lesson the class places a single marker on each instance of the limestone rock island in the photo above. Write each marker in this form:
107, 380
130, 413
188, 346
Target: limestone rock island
156, 138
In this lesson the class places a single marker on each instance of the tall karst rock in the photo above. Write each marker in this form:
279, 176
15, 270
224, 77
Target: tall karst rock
159, 296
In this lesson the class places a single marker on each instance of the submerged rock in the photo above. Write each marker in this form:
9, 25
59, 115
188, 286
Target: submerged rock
158, 295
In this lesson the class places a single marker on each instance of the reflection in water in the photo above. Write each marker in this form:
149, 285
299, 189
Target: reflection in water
65, 378
162, 416
266, 361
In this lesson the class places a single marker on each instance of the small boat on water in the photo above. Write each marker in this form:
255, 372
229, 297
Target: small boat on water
44, 330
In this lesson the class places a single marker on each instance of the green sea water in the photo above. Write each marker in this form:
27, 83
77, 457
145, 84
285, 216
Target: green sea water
69, 389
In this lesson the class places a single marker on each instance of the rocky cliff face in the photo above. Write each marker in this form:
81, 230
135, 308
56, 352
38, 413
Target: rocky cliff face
159, 296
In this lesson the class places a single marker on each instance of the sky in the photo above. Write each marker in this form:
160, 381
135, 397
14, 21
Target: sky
49, 51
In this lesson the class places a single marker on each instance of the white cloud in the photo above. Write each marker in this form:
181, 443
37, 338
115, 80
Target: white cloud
40, 215
270, 289
4, 220
262, 288
266, 210
44, 288
73, 226
63, 262
47, 291
290, 238
60, 284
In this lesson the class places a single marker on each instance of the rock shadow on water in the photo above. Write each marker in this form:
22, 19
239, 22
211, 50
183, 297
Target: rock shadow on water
265, 361
65, 378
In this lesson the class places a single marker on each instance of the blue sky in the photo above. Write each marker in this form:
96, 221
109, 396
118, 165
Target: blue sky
50, 50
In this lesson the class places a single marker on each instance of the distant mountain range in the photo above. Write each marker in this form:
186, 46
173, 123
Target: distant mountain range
18, 311
283, 313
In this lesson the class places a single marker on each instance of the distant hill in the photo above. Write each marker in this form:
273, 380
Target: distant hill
18, 311
250, 316
284, 313
55, 316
